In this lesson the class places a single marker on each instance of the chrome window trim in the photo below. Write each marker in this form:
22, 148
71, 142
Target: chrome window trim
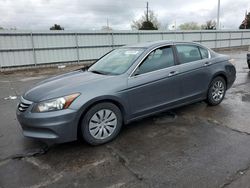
170, 45
197, 45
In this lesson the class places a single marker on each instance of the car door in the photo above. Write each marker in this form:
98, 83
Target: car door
194, 63
155, 83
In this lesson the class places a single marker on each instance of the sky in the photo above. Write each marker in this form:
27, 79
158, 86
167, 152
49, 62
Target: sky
93, 14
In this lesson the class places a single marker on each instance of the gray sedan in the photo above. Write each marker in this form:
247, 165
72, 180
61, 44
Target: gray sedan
126, 84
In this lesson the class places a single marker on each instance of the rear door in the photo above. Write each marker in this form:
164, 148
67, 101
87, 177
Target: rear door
193, 62
155, 83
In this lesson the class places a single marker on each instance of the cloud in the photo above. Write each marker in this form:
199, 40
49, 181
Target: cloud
78, 14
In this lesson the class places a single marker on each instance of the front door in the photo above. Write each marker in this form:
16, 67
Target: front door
155, 83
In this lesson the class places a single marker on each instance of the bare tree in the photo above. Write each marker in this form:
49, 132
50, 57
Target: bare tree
210, 25
148, 21
246, 22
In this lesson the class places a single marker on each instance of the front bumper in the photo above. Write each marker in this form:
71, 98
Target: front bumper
56, 127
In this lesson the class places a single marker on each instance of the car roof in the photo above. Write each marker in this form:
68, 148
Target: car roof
156, 43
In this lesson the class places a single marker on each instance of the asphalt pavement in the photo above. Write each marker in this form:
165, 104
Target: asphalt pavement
192, 146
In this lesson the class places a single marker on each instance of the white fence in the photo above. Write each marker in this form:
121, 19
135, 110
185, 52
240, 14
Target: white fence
21, 48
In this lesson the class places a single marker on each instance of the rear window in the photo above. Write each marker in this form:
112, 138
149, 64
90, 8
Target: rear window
188, 53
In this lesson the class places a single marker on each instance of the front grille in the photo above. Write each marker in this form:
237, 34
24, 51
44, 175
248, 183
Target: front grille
22, 107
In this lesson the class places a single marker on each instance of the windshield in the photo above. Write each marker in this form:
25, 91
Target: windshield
116, 62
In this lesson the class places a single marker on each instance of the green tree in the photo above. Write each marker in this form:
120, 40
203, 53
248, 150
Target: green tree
246, 22
56, 27
1, 28
210, 25
146, 22
190, 26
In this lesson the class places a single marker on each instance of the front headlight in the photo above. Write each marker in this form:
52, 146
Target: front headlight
55, 104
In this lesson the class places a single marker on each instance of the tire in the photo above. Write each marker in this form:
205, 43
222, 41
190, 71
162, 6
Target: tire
101, 123
248, 63
216, 91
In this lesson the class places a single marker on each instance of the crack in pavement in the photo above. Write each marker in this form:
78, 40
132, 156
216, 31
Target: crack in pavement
29, 153
51, 180
239, 84
125, 162
238, 174
235, 176
215, 122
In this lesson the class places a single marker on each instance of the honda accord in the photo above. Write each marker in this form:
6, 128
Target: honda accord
124, 85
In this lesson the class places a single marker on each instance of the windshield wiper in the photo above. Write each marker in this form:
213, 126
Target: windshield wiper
98, 72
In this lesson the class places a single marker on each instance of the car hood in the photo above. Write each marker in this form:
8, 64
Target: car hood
62, 85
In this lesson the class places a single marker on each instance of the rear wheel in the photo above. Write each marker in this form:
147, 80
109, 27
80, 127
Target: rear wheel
216, 91
101, 124
248, 62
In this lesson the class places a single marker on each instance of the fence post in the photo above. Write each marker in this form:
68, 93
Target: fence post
216, 37
138, 37
241, 42
229, 39
33, 49
112, 40
77, 48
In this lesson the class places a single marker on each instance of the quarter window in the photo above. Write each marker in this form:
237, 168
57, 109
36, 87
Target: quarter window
204, 53
188, 53
158, 59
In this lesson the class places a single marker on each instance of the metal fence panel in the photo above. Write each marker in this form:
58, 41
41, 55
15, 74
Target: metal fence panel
93, 53
192, 37
121, 39
147, 37
15, 41
18, 58
18, 48
56, 56
94, 40
209, 36
168, 36
53, 41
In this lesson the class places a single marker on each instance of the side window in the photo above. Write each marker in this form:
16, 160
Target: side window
188, 53
158, 59
204, 53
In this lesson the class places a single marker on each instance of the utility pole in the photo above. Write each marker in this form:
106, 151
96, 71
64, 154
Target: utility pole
147, 12
107, 23
218, 16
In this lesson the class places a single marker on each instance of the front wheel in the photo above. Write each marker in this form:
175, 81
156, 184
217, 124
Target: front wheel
101, 124
216, 91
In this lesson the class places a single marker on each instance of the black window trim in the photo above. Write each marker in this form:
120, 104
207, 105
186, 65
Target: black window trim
204, 49
158, 47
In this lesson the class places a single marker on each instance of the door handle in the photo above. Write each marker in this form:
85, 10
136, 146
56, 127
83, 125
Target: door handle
207, 63
172, 73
